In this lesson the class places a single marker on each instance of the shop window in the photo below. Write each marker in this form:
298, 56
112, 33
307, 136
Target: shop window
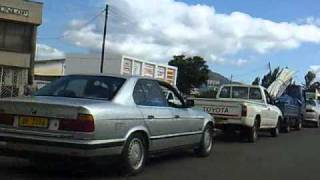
15, 37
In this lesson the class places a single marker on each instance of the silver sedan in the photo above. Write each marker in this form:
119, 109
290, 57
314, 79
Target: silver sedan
92, 116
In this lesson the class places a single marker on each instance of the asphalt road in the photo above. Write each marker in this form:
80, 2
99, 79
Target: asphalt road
293, 156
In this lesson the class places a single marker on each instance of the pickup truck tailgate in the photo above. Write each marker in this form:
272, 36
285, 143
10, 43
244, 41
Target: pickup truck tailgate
219, 108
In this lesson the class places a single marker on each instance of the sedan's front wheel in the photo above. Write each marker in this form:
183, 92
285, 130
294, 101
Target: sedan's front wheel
205, 147
134, 155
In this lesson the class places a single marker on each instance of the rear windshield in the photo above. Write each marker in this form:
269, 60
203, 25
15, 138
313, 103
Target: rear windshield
239, 92
90, 87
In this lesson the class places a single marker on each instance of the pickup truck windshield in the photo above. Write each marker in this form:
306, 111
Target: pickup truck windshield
76, 86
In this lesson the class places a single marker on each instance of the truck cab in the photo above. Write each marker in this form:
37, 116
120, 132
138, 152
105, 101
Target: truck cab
243, 107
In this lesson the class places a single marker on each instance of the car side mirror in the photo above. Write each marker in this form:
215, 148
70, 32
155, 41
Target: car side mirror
189, 103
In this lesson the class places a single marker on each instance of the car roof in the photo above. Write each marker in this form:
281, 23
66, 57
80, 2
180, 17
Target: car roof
119, 76
243, 85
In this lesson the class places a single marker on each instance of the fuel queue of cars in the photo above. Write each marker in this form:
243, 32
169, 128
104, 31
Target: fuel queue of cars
248, 109
91, 117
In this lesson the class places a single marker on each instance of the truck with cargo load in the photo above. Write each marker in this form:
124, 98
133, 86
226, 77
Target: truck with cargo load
243, 107
292, 105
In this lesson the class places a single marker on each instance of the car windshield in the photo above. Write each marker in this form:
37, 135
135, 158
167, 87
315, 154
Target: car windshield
91, 87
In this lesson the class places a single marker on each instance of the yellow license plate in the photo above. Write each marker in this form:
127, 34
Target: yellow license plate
36, 122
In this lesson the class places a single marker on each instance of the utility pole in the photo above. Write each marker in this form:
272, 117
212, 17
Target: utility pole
231, 78
104, 38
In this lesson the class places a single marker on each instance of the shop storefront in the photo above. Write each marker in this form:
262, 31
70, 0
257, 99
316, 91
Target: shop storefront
19, 20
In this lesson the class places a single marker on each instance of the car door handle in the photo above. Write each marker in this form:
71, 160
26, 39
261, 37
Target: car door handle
150, 117
176, 116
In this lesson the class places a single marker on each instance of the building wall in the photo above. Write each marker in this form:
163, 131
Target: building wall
21, 11
54, 68
18, 26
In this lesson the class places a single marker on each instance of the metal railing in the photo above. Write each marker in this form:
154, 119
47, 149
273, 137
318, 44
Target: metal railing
12, 81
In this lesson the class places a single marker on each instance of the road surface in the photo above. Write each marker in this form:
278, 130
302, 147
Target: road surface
293, 156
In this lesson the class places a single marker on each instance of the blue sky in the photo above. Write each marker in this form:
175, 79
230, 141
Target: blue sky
59, 20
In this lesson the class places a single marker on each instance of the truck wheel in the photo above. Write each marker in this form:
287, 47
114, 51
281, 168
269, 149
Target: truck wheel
275, 131
253, 133
134, 155
287, 127
205, 147
298, 126
317, 124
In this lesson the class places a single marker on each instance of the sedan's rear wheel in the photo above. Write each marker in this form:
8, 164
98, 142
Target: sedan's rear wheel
134, 155
205, 147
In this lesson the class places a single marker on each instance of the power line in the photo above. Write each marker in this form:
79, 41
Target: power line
82, 26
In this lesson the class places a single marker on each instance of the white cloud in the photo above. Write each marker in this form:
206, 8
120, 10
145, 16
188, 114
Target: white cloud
309, 20
316, 70
44, 52
157, 30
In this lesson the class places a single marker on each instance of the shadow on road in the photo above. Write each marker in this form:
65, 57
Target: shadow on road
77, 170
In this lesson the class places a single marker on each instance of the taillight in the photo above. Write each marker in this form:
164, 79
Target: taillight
244, 111
84, 123
6, 119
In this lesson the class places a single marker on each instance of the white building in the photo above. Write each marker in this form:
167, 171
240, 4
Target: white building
48, 70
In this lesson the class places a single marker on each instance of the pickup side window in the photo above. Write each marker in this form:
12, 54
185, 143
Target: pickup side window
225, 92
148, 93
240, 92
255, 94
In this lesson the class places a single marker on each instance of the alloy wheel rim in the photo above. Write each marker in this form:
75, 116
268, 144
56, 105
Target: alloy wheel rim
136, 153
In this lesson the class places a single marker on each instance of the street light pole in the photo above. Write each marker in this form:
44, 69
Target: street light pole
104, 38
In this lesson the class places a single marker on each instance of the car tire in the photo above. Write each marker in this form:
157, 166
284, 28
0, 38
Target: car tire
298, 126
134, 155
207, 142
317, 124
253, 133
276, 131
287, 127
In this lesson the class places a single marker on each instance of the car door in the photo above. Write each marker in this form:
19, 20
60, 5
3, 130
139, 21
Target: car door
272, 110
158, 116
189, 124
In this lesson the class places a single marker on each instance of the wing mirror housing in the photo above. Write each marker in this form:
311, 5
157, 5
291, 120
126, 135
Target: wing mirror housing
189, 103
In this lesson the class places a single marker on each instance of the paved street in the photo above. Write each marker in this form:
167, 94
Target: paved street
290, 156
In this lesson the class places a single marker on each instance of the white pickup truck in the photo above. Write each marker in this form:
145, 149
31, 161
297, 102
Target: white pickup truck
243, 107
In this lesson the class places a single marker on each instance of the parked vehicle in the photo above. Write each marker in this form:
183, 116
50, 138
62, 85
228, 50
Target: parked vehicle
292, 106
92, 116
312, 113
243, 107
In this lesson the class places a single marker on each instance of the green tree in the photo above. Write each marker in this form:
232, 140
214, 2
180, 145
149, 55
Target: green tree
192, 72
256, 81
309, 77
268, 79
